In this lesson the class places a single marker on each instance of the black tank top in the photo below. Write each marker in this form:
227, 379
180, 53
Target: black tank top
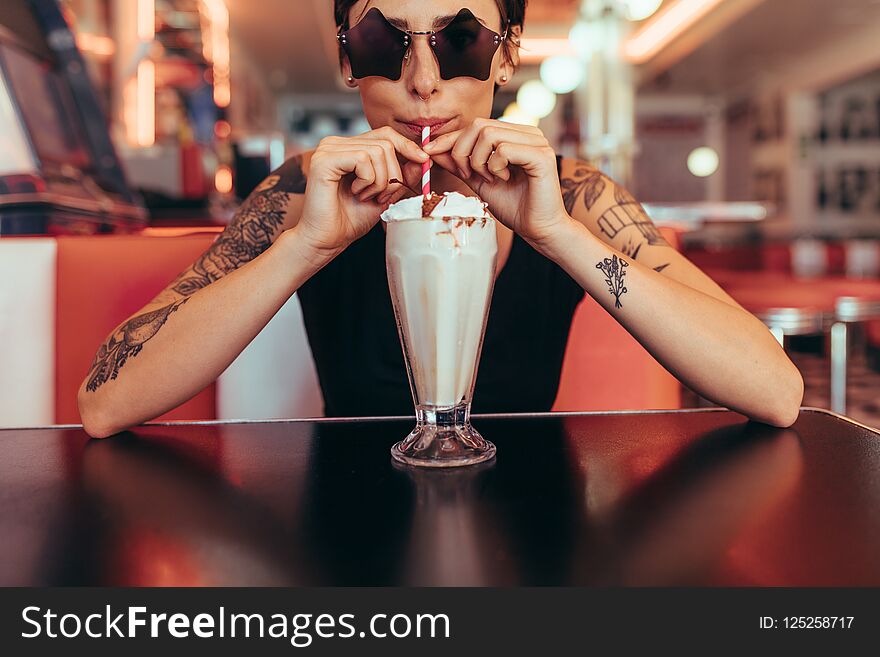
352, 332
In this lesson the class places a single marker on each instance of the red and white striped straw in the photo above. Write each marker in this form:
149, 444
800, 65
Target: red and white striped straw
426, 166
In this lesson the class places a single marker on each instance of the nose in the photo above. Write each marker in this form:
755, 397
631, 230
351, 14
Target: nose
422, 71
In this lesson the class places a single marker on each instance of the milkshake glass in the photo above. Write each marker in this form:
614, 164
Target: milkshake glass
440, 255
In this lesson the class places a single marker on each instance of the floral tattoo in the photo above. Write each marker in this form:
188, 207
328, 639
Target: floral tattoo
614, 269
586, 182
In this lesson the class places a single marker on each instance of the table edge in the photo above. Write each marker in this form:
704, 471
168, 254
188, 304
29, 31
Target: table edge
381, 418
478, 416
826, 411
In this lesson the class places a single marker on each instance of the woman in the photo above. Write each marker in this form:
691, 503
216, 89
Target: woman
313, 226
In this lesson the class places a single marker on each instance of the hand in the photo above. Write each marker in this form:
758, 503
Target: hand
348, 186
512, 168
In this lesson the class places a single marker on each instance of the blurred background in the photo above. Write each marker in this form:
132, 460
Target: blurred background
130, 130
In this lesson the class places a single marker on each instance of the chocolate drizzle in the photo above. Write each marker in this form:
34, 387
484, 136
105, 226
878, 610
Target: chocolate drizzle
458, 222
453, 236
454, 223
429, 203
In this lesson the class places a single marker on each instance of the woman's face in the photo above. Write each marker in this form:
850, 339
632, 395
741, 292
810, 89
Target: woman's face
420, 96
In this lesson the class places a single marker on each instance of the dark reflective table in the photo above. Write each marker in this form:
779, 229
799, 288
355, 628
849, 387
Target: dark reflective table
699, 497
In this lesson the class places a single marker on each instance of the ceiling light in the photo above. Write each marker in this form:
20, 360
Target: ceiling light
663, 28
639, 10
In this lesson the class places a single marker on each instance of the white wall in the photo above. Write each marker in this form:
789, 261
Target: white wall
274, 377
27, 332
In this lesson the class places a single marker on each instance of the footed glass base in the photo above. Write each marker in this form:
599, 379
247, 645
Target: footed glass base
443, 438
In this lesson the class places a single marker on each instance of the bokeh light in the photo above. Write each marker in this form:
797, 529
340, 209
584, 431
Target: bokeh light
562, 74
639, 10
703, 161
513, 113
535, 99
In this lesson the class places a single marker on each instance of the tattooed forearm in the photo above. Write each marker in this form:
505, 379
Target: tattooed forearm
614, 269
631, 249
126, 342
588, 185
585, 180
626, 213
251, 231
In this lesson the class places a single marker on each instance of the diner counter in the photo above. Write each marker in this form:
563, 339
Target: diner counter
691, 497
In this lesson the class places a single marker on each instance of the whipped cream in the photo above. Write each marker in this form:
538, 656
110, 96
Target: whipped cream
452, 204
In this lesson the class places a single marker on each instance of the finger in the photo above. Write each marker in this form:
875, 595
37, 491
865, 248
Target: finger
461, 151
342, 159
403, 145
332, 163
407, 148
391, 167
442, 143
382, 143
380, 181
536, 161
393, 164
378, 149
498, 161
392, 153
453, 143
395, 172
491, 137
365, 176
360, 164
391, 160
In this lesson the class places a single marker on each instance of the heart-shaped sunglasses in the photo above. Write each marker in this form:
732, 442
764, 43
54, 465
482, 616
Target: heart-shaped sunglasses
463, 47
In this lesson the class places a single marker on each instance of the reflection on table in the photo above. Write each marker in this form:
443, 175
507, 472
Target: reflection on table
653, 498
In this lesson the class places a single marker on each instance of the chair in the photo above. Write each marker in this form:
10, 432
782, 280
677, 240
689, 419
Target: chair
797, 306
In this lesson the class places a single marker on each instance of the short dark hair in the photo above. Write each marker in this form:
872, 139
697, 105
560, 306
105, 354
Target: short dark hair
513, 12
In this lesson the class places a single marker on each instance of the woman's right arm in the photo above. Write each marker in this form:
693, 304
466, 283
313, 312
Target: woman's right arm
191, 331
284, 232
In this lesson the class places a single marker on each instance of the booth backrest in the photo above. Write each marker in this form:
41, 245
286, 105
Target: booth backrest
101, 280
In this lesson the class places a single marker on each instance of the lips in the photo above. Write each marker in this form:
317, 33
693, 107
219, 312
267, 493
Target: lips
415, 127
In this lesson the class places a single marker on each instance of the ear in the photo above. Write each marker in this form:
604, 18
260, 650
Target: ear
510, 55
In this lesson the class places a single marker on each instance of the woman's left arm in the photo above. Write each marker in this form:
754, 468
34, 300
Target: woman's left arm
603, 238
710, 344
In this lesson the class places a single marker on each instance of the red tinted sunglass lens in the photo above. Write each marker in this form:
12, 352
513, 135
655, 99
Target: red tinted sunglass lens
465, 47
374, 47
